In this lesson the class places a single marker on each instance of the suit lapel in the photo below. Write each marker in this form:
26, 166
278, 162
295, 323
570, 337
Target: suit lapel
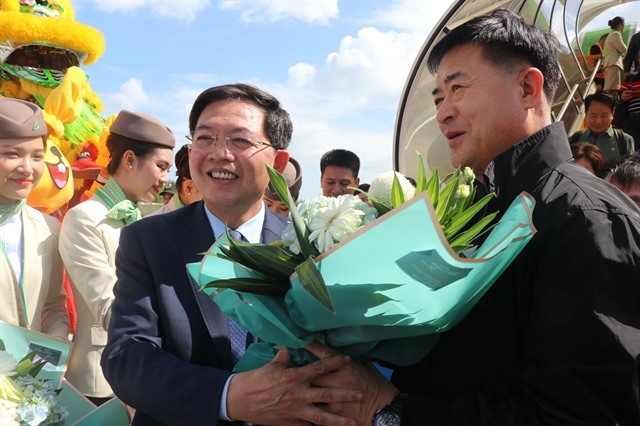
31, 266
272, 227
197, 228
11, 302
199, 238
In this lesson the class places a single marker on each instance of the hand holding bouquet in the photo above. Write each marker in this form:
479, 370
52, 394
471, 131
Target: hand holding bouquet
374, 281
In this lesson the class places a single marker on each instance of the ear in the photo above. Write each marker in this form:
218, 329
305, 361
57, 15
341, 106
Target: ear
190, 187
531, 81
357, 181
128, 159
281, 160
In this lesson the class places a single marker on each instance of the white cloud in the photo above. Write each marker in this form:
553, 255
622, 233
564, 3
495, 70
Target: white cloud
410, 15
181, 10
348, 100
131, 96
269, 11
368, 70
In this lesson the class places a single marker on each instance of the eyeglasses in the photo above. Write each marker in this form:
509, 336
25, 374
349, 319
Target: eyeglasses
233, 143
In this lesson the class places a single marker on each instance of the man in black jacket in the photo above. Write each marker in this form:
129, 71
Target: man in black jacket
556, 340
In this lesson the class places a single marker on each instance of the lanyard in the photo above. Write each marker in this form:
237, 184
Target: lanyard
20, 286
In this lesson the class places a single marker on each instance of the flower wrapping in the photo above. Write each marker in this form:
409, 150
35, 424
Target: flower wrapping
395, 285
33, 390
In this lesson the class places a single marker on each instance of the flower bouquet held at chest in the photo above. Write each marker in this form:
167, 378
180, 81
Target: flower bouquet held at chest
377, 279
33, 390
25, 399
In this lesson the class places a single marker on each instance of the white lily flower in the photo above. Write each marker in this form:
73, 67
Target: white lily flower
463, 192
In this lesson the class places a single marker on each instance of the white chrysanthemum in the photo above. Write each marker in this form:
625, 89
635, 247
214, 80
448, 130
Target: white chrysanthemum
7, 364
381, 185
289, 239
330, 220
339, 219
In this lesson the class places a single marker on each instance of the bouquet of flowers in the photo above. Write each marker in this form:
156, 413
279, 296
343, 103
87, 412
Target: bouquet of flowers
25, 400
377, 280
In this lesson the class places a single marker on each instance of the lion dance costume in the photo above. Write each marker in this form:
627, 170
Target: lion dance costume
42, 48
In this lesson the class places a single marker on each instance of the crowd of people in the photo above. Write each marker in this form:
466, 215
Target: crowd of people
553, 341
618, 76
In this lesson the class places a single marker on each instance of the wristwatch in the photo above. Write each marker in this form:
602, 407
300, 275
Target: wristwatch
390, 415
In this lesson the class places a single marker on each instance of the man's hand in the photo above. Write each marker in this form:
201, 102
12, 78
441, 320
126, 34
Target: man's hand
376, 390
277, 394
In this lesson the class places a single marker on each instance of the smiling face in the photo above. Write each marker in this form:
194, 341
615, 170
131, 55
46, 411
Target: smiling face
21, 167
480, 107
599, 117
142, 179
232, 182
336, 181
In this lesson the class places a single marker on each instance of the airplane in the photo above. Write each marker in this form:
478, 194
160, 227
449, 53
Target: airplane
416, 129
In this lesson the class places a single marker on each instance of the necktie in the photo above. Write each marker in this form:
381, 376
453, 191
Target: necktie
237, 334
236, 235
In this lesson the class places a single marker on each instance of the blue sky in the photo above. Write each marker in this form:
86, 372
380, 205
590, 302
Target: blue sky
338, 67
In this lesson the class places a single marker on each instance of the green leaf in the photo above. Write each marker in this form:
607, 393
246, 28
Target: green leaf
455, 174
421, 181
264, 258
433, 187
39, 365
380, 207
2, 347
302, 231
458, 221
397, 195
280, 185
466, 237
446, 198
469, 200
25, 365
235, 255
312, 281
253, 285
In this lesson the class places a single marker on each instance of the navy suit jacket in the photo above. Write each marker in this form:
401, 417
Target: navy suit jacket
168, 354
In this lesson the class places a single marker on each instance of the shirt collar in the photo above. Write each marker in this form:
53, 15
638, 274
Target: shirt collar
609, 132
251, 229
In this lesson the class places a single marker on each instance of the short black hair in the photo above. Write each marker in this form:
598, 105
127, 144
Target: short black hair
627, 173
182, 166
600, 97
340, 158
505, 38
277, 124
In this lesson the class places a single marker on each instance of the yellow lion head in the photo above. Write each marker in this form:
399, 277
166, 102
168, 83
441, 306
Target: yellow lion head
41, 50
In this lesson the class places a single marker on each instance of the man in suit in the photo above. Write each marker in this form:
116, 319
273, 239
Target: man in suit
554, 341
169, 354
30, 264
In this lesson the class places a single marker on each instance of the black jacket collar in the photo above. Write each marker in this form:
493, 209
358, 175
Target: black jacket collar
522, 166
